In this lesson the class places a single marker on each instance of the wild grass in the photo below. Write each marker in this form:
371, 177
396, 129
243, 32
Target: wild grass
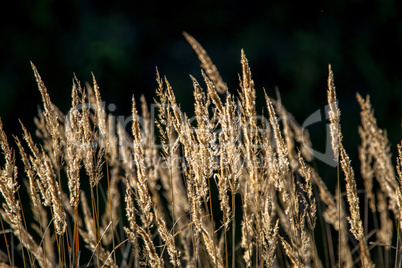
220, 189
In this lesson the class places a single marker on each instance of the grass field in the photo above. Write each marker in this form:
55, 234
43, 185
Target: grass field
227, 187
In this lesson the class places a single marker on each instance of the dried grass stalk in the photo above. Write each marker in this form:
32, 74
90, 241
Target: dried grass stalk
207, 64
376, 157
12, 207
356, 225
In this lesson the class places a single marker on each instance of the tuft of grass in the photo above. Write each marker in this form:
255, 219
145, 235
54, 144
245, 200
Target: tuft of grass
221, 189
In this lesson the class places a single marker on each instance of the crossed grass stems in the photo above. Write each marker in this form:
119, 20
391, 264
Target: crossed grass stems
202, 197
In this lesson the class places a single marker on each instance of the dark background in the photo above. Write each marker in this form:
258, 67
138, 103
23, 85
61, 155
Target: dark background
289, 46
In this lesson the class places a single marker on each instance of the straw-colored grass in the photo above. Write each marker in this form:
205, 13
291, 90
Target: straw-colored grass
221, 189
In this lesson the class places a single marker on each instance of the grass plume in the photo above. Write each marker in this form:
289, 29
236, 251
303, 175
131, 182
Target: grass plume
224, 188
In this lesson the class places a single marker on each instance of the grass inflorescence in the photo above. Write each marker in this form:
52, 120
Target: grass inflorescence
225, 188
